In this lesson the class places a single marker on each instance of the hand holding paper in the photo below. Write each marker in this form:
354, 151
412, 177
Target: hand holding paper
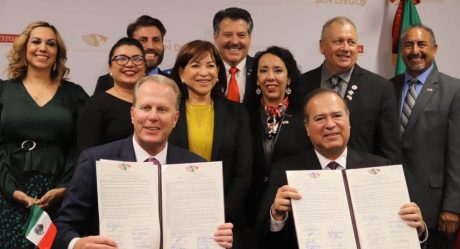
282, 203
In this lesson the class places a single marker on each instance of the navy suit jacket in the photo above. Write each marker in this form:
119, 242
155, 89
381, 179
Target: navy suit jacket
232, 144
373, 112
431, 146
105, 82
308, 160
78, 215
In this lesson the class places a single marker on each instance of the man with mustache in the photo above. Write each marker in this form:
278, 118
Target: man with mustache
149, 32
370, 98
429, 106
232, 36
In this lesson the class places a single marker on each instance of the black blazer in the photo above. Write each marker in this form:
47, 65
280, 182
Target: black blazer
233, 146
105, 82
292, 139
308, 160
431, 146
78, 215
373, 113
249, 61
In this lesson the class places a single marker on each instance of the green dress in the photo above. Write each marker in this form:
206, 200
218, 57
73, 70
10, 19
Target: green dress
37, 151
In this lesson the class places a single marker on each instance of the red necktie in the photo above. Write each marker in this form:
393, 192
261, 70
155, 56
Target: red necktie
233, 93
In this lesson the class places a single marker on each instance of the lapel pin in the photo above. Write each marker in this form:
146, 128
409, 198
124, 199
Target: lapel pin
429, 89
349, 97
351, 92
285, 122
354, 87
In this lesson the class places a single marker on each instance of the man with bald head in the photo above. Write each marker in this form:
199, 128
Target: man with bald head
328, 126
370, 98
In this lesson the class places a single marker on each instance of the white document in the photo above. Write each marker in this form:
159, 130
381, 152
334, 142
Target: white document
128, 203
193, 204
377, 195
323, 219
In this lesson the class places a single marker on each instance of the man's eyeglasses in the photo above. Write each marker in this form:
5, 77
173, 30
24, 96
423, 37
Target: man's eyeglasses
122, 60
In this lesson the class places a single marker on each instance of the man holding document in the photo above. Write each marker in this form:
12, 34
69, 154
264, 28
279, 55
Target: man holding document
328, 126
154, 114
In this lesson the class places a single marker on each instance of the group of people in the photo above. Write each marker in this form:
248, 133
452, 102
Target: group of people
258, 115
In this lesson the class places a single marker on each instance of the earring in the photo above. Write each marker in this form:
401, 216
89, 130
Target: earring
288, 90
258, 91
110, 73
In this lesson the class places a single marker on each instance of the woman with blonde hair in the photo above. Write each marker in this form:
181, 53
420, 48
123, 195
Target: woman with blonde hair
38, 109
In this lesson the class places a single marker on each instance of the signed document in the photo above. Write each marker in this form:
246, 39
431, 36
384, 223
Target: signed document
193, 204
142, 205
356, 208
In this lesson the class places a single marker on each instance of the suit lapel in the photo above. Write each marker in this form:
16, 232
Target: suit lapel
398, 84
126, 152
181, 138
315, 80
354, 85
220, 116
312, 160
354, 160
247, 88
428, 90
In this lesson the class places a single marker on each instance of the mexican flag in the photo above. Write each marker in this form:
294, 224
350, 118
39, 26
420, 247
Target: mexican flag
40, 230
406, 15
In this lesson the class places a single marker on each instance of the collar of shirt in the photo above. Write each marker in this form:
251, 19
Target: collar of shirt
154, 71
142, 155
326, 75
418, 88
342, 159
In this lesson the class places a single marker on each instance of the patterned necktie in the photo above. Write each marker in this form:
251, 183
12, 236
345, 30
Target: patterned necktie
408, 105
153, 160
335, 83
333, 165
233, 93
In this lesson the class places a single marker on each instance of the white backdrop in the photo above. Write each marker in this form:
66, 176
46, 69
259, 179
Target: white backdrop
91, 27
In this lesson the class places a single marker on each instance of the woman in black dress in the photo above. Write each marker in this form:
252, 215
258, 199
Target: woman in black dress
39, 110
106, 115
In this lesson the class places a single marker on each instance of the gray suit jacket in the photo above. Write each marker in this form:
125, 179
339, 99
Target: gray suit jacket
78, 216
431, 146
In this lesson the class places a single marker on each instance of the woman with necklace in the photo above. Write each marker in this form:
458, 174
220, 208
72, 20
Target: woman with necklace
212, 126
106, 115
39, 111
276, 117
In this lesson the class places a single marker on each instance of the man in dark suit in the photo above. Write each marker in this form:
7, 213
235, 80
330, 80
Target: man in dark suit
327, 124
373, 114
150, 33
154, 114
232, 36
430, 120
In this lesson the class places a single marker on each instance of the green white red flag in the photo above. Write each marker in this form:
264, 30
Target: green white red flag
406, 15
40, 230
